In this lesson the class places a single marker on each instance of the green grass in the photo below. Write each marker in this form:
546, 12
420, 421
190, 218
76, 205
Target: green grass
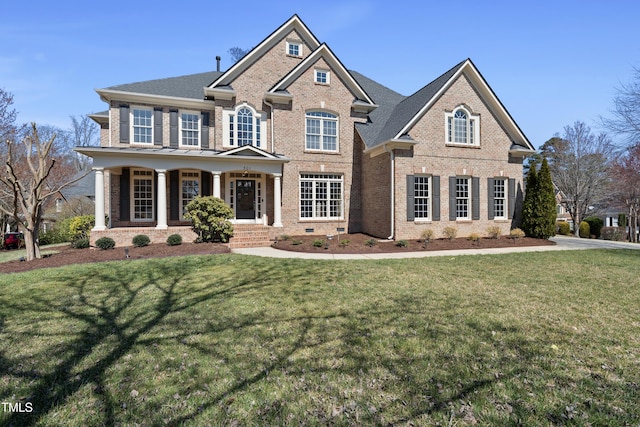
13, 254
520, 339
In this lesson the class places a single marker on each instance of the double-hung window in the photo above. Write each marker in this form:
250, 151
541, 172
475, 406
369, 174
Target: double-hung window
189, 188
462, 127
142, 191
142, 125
500, 198
321, 196
189, 129
422, 197
321, 131
243, 126
463, 198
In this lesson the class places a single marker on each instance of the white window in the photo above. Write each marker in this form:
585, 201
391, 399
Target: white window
243, 126
422, 197
321, 196
142, 192
322, 76
321, 132
463, 198
190, 128
190, 188
294, 48
500, 198
462, 127
142, 125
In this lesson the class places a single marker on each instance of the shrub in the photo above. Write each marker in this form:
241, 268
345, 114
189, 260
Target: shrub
474, 237
494, 232
516, 233
296, 242
174, 240
317, 243
344, 242
622, 220
595, 225
450, 233
585, 230
427, 235
140, 240
210, 219
402, 243
614, 233
80, 226
371, 242
105, 243
80, 243
285, 237
53, 236
564, 228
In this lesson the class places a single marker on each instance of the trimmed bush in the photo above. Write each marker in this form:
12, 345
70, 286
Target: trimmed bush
618, 234
80, 243
595, 225
564, 228
209, 218
450, 233
585, 230
140, 240
174, 240
105, 243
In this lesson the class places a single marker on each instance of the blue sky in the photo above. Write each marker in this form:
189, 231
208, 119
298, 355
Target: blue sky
550, 63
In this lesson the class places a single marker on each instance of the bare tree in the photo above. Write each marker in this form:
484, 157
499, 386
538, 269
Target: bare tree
625, 188
84, 133
7, 131
579, 166
32, 175
626, 111
237, 53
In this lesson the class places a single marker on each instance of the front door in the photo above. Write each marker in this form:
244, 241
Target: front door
246, 199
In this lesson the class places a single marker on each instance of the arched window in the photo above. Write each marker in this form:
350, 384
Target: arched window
462, 127
242, 127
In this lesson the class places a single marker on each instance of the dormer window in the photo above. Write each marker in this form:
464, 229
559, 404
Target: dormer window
462, 127
294, 49
322, 77
243, 126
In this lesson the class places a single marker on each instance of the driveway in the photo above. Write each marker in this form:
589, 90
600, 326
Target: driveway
577, 243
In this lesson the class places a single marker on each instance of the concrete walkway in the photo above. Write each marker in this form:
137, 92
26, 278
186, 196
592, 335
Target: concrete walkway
562, 244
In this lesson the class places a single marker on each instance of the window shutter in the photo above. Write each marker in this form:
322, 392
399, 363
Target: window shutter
174, 195
490, 197
124, 124
173, 128
204, 142
512, 197
435, 182
157, 126
410, 198
475, 198
125, 202
205, 185
452, 198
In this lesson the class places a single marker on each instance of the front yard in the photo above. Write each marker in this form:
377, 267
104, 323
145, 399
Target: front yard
530, 339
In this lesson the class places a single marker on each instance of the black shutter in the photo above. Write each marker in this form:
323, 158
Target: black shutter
512, 197
410, 198
204, 143
435, 181
125, 202
174, 195
173, 128
157, 126
475, 198
452, 198
490, 197
124, 124
205, 178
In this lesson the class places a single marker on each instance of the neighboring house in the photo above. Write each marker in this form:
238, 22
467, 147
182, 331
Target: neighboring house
75, 199
296, 143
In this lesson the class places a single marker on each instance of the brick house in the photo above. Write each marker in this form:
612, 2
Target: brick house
296, 143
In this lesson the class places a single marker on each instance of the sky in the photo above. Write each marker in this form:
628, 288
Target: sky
551, 63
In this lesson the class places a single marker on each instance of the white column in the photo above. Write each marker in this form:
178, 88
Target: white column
162, 199
277, 200
99, 207
216, 184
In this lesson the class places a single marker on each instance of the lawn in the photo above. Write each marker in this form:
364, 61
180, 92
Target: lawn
520, 339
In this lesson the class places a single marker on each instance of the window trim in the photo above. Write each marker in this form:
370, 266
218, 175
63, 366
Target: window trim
335, 119
198, 115
429, 198
314, 178
472, 128
258, 132
291, 43
197, 178
327, 76
148, 174
132, 125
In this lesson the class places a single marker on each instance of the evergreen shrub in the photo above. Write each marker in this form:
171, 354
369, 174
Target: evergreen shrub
140, 240
174, 240
585, 230
105, 243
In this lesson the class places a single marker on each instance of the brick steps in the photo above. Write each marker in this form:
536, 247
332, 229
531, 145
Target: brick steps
249, 236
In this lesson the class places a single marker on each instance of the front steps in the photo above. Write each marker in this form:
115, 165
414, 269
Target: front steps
249, 236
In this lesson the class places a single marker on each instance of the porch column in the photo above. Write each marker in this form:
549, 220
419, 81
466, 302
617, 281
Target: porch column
216, 184
277, 200
99, 203
162, 199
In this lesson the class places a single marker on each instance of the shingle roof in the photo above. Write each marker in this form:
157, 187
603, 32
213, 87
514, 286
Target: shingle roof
189, 86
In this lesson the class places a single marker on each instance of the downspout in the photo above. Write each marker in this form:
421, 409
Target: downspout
273, 142
393, 189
